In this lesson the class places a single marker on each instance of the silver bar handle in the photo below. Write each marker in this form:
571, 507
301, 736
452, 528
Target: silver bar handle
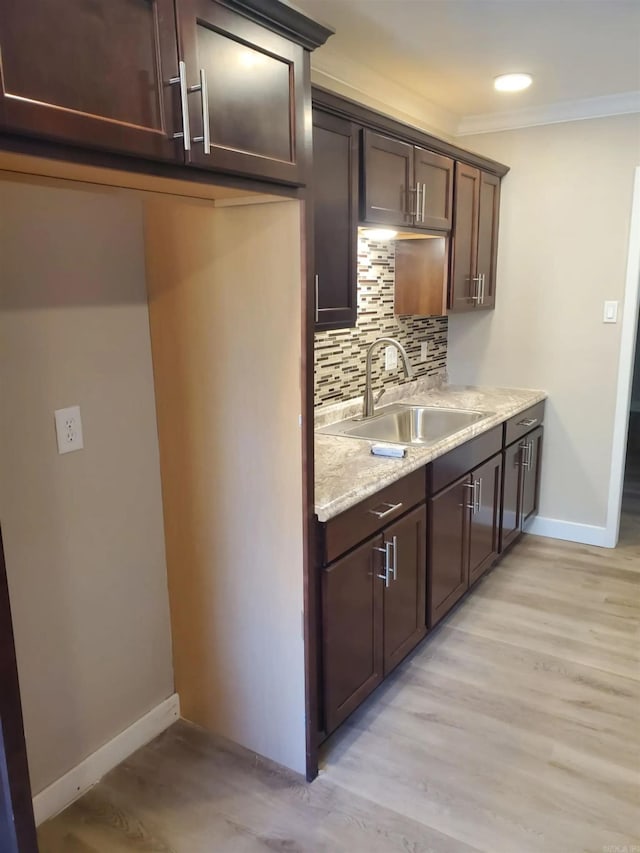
530, 460
417, 192
476, 281
394, 549
481, 288
472, 505
424, 199
527, 422
317, 282
478, 483
386, 512
181, 80
204, 102
387, 568
526, 463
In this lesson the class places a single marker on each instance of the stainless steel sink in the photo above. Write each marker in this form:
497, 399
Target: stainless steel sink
405, 424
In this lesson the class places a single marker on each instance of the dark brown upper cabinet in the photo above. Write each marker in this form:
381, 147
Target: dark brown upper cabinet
226, 89
92, 74
475, 240
335, 215
245, 94
403, 184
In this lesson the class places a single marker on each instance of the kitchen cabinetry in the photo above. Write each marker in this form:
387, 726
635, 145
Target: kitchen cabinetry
463, 535
227, 91
335, 214
521, 485
92, 74
373, 597
251, 115
403, 184
475, 239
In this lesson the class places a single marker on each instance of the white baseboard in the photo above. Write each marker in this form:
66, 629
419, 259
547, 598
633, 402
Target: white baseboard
571, 531
88, 773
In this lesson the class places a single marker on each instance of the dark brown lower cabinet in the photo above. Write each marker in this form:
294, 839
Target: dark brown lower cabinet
463, 535
484, 519
404, 598
372, 618
521, 483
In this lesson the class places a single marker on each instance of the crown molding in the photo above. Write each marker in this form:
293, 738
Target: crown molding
340, 74
585, 108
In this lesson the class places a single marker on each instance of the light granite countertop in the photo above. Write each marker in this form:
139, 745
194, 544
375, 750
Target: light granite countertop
346, 472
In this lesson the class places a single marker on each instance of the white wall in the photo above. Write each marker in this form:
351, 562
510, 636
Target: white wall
83, 532
564, 235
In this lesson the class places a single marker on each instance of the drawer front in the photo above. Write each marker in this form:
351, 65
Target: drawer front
349, 528
521, 424
463, 459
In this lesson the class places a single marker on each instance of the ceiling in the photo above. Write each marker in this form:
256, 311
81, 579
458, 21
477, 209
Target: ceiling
448, 51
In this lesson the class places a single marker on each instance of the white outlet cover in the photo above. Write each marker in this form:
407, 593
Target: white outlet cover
69, 429
424, 350
390, 358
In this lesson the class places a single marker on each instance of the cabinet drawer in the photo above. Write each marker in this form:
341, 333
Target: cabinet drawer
352, 526
460, 461
521, 424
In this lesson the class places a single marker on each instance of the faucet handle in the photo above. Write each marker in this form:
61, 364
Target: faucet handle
378, 396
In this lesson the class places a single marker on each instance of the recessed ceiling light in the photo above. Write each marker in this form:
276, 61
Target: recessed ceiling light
512, 82
380, 233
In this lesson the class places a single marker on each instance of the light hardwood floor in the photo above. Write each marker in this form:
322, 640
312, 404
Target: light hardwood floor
514, 729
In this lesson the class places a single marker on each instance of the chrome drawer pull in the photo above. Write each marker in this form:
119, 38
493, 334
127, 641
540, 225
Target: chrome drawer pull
527, 422
181, 80
386, 512
472, 486
387, 563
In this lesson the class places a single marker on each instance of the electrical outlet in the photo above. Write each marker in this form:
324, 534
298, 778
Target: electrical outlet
424, 350
69, 429
390, 358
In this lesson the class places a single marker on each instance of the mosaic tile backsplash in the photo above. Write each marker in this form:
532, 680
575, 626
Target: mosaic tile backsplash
340, 354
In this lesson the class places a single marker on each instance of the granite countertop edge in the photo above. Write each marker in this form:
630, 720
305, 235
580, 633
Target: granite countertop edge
346, 472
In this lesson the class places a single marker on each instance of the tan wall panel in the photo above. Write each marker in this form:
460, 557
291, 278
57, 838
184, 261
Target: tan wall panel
83, 532
224, 290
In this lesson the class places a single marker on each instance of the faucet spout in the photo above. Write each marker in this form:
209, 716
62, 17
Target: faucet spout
368, 403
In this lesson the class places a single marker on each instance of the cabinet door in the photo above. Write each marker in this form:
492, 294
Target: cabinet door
352, 617
387, 184
433, 175
335, 211
448, 564
255, 93
510, 524
488, 215
405, 597
92, 73
485, 517
531, 475
463, 291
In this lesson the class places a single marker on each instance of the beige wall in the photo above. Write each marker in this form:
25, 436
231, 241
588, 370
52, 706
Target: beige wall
564, 235
224, 301
83, 532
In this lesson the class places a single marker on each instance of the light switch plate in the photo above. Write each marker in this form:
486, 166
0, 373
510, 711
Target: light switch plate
424, 350
69, 429
610, 312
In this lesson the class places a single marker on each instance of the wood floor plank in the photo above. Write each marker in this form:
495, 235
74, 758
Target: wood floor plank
514, 729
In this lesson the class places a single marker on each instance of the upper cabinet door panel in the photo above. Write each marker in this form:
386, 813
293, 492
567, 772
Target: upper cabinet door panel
488, 214
463, 287
387, 184
92, 73
434, 179
335, 206
256, 93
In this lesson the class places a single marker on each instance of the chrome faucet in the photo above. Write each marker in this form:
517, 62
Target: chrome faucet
368, 403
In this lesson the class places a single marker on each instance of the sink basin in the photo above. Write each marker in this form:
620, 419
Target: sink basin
406, 424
